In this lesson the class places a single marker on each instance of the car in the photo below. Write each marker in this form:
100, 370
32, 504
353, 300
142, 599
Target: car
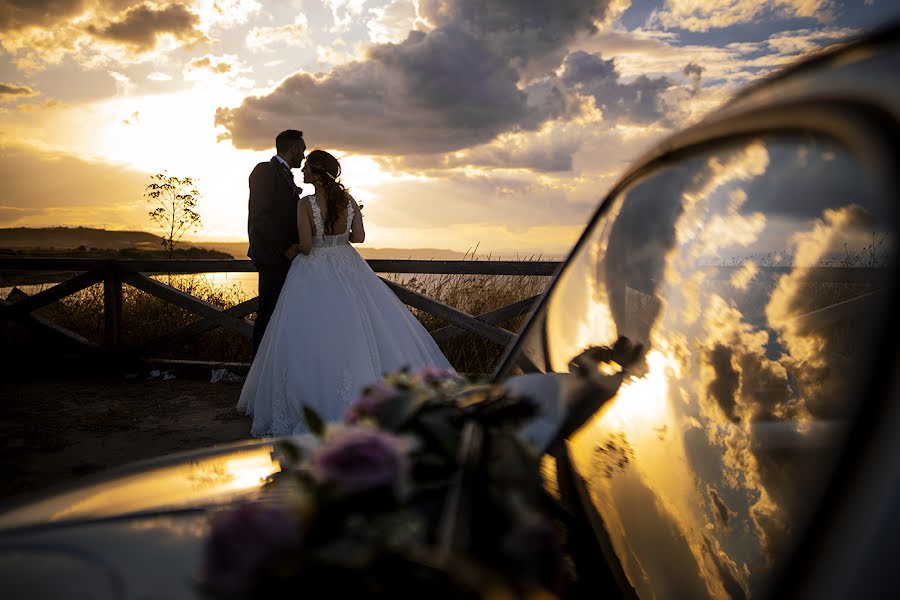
715, 364
737, 289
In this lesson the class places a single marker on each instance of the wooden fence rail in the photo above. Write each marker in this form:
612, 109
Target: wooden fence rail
76, 274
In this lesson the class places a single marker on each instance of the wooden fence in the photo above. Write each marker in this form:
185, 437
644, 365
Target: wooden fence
80, 273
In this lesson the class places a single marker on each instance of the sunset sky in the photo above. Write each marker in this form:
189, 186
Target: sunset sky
496, 123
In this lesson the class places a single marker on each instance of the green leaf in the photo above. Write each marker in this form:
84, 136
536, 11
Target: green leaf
345, 552
393, 413
437, 427
291, 452
313, 421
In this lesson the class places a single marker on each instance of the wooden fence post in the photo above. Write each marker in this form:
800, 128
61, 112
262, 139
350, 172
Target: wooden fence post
112, 309
5, 339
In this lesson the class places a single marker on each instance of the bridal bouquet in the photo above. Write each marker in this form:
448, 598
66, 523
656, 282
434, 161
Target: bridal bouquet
424, 490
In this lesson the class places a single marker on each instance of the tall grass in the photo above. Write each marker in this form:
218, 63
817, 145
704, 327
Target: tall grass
144, 316
474, 294
876, 254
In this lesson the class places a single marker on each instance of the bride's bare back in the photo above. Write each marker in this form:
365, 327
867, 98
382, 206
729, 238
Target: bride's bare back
340, 225
307, 222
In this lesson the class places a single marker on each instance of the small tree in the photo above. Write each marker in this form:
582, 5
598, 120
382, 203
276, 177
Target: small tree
176, 198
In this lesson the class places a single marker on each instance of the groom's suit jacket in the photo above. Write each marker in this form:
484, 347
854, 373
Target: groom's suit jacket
272, 220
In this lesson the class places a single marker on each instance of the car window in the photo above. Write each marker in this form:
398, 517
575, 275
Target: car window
755, 276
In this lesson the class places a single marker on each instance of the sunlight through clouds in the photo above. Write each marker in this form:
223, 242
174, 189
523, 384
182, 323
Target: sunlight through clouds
512, 122
391, 23
344, 12
226, 14
295, 34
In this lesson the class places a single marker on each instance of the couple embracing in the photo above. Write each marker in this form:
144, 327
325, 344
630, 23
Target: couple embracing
326, 325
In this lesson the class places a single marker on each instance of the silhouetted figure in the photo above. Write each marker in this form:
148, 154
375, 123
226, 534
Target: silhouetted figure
272, 223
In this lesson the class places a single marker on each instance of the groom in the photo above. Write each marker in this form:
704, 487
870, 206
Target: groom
272, 223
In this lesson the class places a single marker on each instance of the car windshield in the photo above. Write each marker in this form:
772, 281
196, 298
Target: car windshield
754, 276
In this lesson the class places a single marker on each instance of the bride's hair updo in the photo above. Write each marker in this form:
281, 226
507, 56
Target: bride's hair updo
328, 169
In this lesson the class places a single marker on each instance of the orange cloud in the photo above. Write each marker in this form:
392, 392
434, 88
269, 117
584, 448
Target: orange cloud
141, 26
43, 32
705, 15
210, 63
12, 91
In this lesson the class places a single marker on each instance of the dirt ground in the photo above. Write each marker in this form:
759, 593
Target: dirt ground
55, 431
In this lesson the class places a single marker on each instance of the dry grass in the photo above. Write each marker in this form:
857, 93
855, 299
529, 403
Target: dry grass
474, 294
145, 316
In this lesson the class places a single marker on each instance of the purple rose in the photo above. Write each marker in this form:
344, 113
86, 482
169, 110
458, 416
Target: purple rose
361, 458
372, 398
434, 375
242, 541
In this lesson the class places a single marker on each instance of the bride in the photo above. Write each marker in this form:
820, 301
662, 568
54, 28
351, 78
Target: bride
337, 327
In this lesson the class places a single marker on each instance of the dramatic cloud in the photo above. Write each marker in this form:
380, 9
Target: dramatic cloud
694, 73
501, 122
15, 14
638, 102
11, 91
226, 70
215, 64
99, 33
726, 379
456, 86
141, 26
435, 92
391, 23
533, 36
507, 152
837, 177
550, 151
703, 16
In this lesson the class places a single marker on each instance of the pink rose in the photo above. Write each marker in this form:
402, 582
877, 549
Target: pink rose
361, 458
372, 398
432, 375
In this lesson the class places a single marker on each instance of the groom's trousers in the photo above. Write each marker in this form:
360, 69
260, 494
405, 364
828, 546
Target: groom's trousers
271, 280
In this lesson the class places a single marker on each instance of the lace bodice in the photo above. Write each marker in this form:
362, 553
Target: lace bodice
320, 240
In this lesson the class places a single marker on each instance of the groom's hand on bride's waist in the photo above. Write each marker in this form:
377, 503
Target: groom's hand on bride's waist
292, 251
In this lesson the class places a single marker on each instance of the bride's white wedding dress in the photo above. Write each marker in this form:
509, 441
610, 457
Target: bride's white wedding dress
336, 328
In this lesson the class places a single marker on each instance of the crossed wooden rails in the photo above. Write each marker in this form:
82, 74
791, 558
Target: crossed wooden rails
113, 273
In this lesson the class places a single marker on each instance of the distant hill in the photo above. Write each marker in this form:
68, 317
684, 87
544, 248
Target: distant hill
73, 237
84, 239
83, 242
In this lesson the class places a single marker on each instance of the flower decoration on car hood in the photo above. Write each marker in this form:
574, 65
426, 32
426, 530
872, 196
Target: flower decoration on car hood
423, 489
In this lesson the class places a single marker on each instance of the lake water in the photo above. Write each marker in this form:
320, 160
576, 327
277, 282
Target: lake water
246, 282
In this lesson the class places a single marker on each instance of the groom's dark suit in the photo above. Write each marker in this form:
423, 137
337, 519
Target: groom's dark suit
272, 228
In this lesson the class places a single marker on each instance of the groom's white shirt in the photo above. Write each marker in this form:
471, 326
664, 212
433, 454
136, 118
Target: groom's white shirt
284, 162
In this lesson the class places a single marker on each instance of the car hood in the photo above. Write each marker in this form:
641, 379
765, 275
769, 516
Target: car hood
181, 481
135, 532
